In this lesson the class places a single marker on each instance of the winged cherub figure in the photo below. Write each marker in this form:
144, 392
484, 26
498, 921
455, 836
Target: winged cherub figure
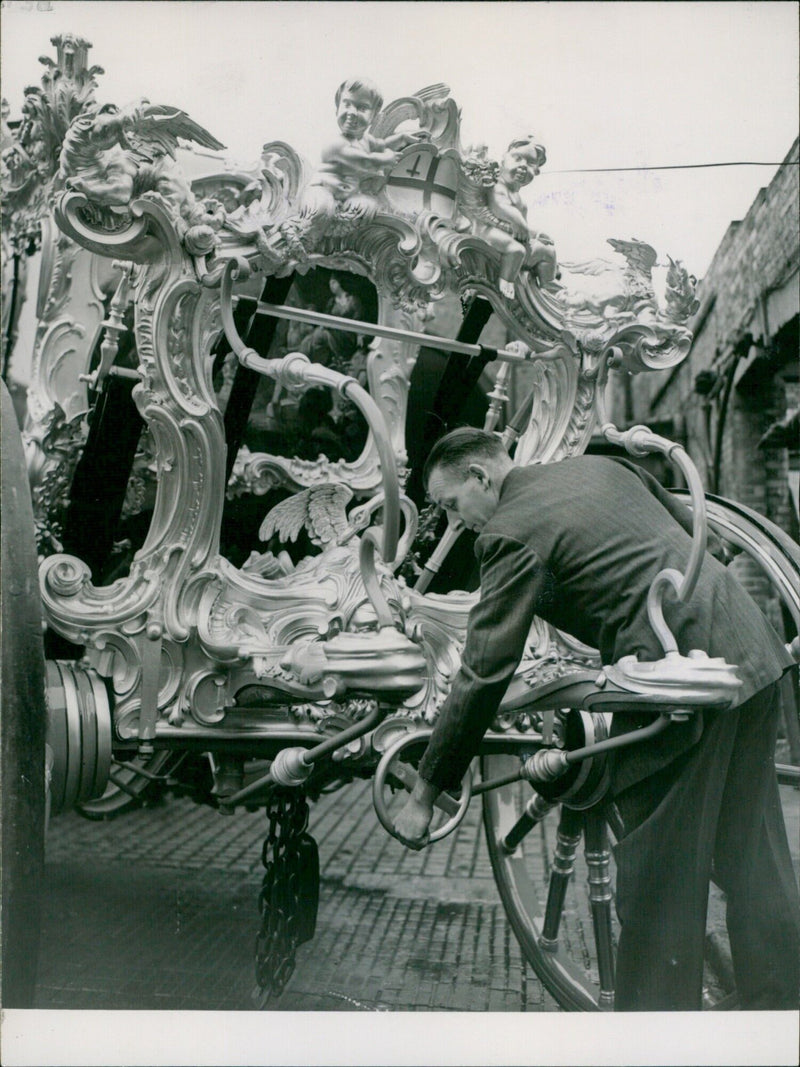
347, 185
491, 198
354, 166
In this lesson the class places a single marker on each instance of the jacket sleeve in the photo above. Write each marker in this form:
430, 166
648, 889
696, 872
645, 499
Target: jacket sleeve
515, 586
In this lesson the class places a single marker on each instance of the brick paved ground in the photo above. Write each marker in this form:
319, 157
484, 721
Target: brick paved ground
157, 909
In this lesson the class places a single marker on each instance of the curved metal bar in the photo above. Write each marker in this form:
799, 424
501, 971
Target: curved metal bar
640, 441
391, 482
700, 525
575, 755
351, 733
655, 608
366, 559
297, 369
233, 269
304, 759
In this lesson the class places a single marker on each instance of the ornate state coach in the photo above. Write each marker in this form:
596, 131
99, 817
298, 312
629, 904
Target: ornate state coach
244, 594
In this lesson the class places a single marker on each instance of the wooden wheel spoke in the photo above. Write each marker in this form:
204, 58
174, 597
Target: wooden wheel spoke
569, 837
601, 900
535, 810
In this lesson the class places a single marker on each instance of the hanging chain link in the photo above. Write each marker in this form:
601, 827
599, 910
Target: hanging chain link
289, 893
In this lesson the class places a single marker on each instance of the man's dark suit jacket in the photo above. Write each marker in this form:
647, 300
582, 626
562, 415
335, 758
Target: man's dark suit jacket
578, 543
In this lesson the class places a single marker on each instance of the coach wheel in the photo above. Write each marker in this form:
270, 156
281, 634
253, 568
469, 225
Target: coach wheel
562, 909
566, 945
522, 826
554, 870
22, 725
779, 558
395, 777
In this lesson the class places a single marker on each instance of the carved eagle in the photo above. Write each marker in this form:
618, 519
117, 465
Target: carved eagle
320, 509
143, 131
163, 126
641, 256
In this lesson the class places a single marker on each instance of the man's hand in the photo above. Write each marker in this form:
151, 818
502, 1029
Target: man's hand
412, 822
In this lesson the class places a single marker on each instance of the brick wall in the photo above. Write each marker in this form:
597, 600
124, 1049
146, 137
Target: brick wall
758, 254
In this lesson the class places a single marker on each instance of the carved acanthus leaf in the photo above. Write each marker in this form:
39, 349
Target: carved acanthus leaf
30, 156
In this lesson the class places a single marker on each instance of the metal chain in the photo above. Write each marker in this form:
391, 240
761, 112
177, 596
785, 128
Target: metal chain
279, 900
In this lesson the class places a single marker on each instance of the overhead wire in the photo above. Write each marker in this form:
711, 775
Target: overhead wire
673, 166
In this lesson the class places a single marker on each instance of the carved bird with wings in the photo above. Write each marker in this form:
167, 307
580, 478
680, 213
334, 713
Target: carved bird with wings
641, 258
161, 127
112, 155
603, 287
320, 510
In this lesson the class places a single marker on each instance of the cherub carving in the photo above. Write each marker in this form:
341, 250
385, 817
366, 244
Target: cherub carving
490, 197
352, 173
113, 156
354, 167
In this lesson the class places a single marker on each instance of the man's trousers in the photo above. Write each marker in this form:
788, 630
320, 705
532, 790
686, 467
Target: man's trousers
713, 811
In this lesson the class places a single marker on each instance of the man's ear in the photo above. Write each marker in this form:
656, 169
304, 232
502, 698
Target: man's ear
479, 471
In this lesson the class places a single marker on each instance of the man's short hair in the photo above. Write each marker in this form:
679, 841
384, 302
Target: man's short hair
456, 450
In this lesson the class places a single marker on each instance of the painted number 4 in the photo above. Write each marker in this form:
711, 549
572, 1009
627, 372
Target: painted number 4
413, 171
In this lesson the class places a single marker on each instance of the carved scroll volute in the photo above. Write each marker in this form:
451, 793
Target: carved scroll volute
174, 316
143, 236
175, 398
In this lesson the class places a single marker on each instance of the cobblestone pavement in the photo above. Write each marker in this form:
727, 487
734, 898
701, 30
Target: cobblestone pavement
157, 909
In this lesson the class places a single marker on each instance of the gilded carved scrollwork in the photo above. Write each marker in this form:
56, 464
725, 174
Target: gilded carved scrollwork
52, 450
310, 636
70, 311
